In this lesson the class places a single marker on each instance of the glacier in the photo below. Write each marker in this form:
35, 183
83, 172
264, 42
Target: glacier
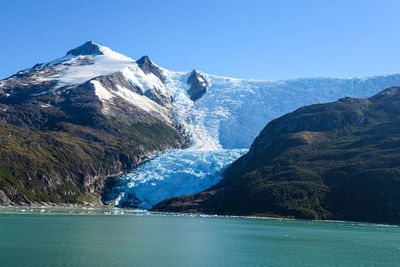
222, 125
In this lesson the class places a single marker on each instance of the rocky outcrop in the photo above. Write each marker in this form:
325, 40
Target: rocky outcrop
337, 160
4, 200
159, 98
198, 85
148, 66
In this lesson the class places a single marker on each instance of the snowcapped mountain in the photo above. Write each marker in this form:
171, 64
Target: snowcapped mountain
112, 76
221, 116
218, 112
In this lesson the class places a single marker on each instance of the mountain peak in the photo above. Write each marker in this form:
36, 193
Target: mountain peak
194, 73
88, 48
144, 60
148, 66
198, 85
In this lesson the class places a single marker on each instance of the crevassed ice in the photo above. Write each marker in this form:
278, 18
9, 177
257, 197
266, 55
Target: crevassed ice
236, 110
174, 173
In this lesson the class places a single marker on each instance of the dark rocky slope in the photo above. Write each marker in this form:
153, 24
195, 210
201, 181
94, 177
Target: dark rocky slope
198, 85
148, 66
338, 160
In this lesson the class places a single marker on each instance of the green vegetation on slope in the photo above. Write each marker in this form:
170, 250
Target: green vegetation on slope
67, 164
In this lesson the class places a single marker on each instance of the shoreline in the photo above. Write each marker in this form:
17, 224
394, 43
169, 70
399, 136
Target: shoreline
103, 210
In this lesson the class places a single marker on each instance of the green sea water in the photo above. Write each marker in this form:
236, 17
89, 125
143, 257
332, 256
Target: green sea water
112, 237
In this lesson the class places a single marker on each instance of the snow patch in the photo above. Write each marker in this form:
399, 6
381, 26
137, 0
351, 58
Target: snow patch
60, 85
76, 70
138, 78
142, 102
100, 91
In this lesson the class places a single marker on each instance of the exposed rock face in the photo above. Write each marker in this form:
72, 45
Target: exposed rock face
198, 85
148, 66
337, 160
4, 200
158, 98
88, 48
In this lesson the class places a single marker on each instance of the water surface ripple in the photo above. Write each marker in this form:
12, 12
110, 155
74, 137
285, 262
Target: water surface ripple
118, 237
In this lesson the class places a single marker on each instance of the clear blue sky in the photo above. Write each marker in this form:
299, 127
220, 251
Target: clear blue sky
244, 39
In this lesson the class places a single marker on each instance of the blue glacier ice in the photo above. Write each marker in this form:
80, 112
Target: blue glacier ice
174, 173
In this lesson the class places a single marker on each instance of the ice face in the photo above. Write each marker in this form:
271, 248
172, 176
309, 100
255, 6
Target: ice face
174, 173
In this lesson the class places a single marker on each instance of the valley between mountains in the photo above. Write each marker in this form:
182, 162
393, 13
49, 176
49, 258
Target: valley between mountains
97, 127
